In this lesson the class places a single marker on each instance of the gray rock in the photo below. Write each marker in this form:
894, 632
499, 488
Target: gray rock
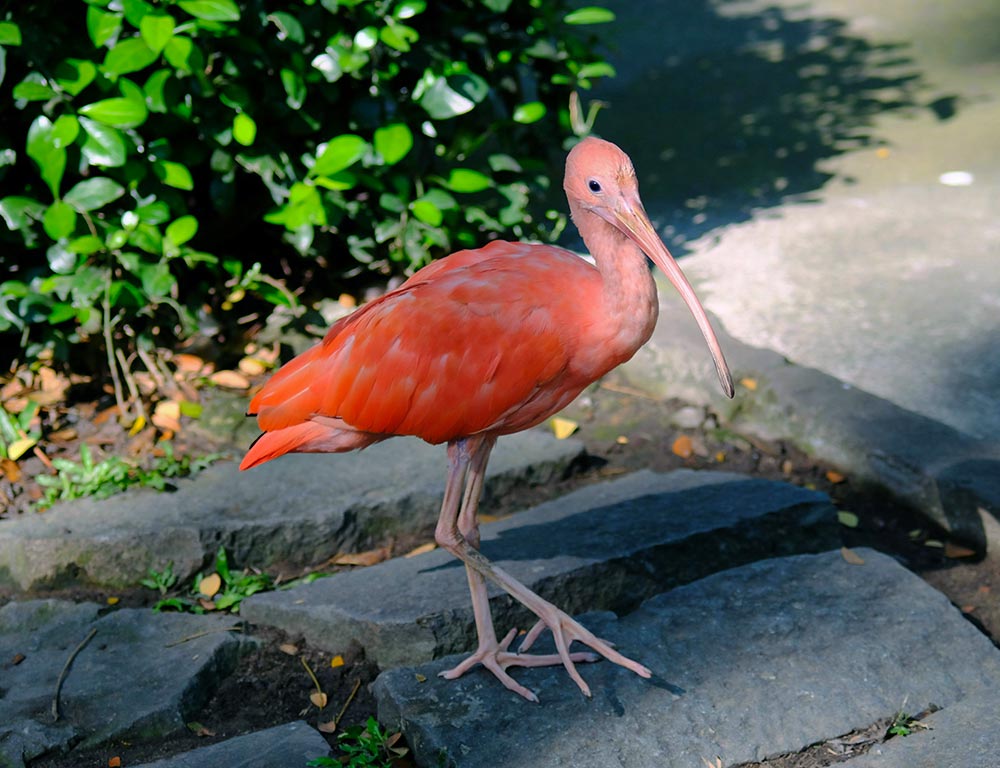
606, 546
949, 476
963, 734
139, 677
292, 745
300, 509
752, 662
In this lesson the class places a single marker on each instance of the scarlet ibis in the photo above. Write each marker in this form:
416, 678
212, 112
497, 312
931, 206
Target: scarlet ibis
480, 344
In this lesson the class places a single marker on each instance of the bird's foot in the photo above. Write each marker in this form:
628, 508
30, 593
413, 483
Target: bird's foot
496, 658
565, 630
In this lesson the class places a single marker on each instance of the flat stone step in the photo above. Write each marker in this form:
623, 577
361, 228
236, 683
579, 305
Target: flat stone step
140, 676
605, 546
752, 662
301, 509
963, 734
292, 744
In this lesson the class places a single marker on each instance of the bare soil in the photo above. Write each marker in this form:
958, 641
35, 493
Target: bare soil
623, 431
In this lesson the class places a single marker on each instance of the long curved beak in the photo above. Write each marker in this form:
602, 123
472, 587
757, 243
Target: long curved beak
630, 217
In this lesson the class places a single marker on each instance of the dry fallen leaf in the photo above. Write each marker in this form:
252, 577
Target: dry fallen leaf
113, 600
749, 383
954, 551
18, 658
621, 440
208, 605
430, 546
683, 447
563, 428
337, 661
834, 477
968, 608
347, 301
210, 585
167, 415
371, 557
420, 678
19, 447
720, 457
252, 366
787, 467
114, 762
62, 435
10, 470
289, 649
187, 363
230, 380
137, 426
852, 557
330, 727
318, 698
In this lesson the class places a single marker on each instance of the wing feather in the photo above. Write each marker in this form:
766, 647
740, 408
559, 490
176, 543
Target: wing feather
456, 350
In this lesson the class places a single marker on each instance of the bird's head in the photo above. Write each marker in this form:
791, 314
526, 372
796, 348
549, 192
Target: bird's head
600, 180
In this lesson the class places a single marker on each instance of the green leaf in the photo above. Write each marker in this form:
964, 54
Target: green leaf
48, 154
393, 142
295, 88
101, 25
179, 53
289, 28
157, 282
154, 90
65, 130
499, 6
135, 11
73, 75
174, 174
339, 153
531, 112
85, 245
597, 69
366, 39
183, 229
18, 212
590, 15
409, 8
34, 87
467, 180
104, 145
212, 10
244, 129
156, 30
91, 194
129, 56
59, 220
398, 36
427, 212
117, 112
444, 98
10, 33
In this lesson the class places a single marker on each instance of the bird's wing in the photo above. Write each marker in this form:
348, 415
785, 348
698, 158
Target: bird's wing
454, 351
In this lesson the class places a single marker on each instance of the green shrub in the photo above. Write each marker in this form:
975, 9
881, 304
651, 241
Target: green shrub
182, 163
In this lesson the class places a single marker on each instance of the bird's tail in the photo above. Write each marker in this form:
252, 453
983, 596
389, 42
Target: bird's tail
305, 437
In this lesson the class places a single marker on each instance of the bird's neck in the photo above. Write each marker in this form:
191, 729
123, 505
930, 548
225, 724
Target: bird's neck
628, 290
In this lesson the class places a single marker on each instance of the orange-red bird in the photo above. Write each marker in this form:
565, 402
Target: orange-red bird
481, 344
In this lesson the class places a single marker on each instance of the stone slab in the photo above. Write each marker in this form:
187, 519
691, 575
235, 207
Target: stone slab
139, 677
300, 509
963, 734
606, 546
752, 662
292, 744
930, 466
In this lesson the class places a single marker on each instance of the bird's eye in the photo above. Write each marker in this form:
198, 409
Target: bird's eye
595, 186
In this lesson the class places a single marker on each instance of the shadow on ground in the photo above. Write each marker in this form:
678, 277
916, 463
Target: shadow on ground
726, 108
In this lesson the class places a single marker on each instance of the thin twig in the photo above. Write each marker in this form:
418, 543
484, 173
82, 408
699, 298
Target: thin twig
130, 381
343, 709
196, 635
65, 669
311, 674
109, 346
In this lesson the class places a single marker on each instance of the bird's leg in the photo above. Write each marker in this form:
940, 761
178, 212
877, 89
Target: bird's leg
458, 532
